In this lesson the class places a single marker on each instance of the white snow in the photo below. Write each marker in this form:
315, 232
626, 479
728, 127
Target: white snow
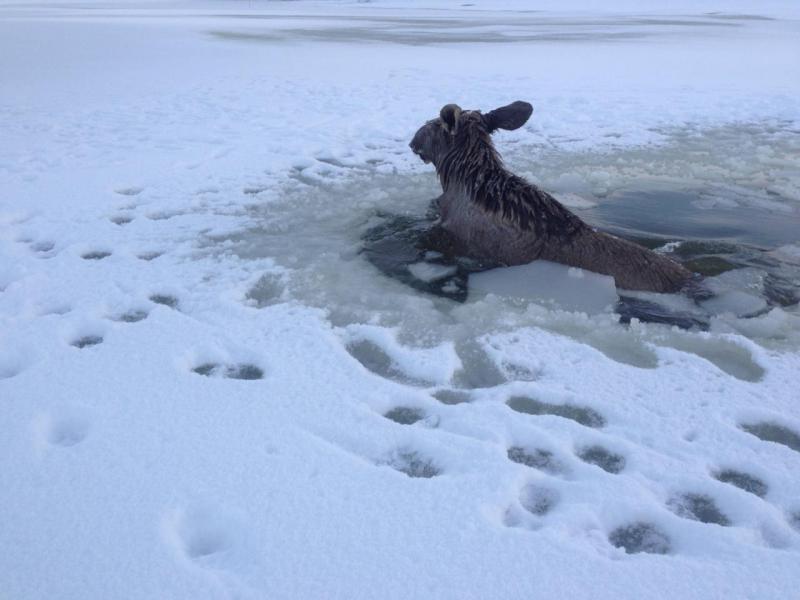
196, 362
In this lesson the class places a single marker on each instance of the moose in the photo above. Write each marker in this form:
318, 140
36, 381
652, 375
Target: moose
491, 214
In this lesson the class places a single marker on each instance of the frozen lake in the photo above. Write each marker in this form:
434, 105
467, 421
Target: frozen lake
228, 369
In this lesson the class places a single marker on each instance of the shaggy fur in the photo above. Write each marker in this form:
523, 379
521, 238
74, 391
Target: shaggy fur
494, 214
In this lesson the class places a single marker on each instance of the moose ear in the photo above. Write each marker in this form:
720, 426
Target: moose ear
508, 117
450, 114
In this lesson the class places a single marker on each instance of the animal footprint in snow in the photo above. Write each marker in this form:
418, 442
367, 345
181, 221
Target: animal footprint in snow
640, 537
375, 359
794, 519
148, 256
165, 299
129, 191
12, 363
240, 371
538, 458
87, 340
580, 414
405, 415
605, 459
698, 507
774, 432
538, 500
64, 428
744, 481
132, 316
42, 246
121, 219
44, 249
95, 255
413, 464
207, 536
478, 370
452, 396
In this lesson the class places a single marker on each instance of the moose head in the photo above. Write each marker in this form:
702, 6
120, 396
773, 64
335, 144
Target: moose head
436, 138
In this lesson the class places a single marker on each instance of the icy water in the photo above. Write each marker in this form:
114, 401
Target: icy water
526, 26
350, 239
739, 241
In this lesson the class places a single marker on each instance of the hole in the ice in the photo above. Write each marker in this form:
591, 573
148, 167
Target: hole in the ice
640, 537
121, 219
266, 291
87, 340
773, 432
452, 396
538, 500
132, 316
603, 458
374, 359
580, 414
241, 371
95, 255
148, 256
405, 415
538, 458
478, 370
401, 247
165, 299
744, 481
414, 465
698, 507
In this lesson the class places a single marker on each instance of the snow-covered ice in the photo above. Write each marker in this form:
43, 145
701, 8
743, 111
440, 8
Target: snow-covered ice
207, 391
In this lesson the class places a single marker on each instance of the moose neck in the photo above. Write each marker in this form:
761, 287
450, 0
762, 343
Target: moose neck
473, 167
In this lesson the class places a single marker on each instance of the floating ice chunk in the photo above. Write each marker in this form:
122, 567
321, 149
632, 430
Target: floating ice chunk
777, 324
428, 272
568, 288
736, 302
789, 252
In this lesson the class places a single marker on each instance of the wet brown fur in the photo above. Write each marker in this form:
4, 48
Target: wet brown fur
496, 215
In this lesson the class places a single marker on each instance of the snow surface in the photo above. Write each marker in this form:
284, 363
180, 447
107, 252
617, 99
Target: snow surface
206, 392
